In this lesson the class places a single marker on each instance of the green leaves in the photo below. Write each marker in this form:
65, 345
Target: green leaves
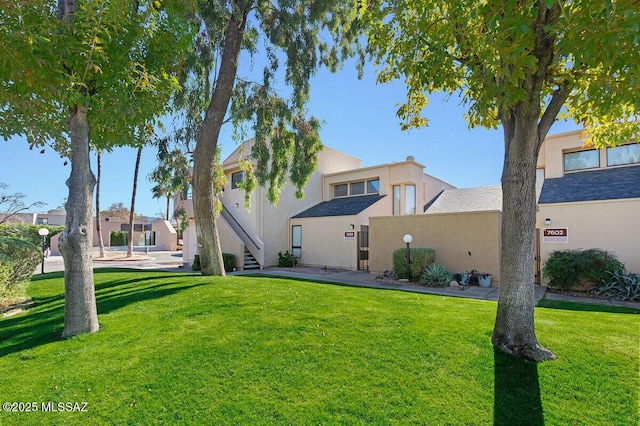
118, 61
500, 54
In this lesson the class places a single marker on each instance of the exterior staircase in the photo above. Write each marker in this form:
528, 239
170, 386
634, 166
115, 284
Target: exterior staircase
250, 261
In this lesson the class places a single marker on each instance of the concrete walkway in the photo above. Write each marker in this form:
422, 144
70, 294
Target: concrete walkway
172, 262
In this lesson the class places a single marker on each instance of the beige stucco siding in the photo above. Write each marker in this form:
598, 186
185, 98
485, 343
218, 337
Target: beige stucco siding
324, 242
452, 236
612, 225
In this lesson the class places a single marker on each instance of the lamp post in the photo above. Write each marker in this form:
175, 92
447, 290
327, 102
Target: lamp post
407, 239
43, 233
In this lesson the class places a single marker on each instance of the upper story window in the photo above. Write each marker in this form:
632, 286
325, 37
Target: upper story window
371, 186
409, 199
236, 178
625, 154
340, 190
42, 221
579, 160
396, 200
357, 188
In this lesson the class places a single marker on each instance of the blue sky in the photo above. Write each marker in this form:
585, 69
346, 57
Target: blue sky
359, 119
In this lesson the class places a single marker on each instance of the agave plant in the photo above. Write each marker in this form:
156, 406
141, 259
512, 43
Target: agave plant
436, 276
621, 286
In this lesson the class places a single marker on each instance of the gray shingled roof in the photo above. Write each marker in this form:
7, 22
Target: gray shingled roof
606, 184
484, 198
347, 206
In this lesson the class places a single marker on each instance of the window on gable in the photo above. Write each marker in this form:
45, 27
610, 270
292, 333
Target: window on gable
340, 190
409, 199
624, 154
357, 188
396, 200
373, 186
236, 178
588, 159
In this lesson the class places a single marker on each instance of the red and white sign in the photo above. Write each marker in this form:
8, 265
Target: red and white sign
555, 235
349, 236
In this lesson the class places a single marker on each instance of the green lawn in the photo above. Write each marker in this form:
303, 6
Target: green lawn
185, 349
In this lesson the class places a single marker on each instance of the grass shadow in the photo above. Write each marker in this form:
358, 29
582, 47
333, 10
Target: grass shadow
45, 320
516, 391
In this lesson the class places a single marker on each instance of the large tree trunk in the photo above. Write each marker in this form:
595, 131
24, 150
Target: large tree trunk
514, 330
206, 149
133, 203
80, 312
98, 223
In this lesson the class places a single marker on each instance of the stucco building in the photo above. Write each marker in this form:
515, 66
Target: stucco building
329, 226
589, 198
354, 217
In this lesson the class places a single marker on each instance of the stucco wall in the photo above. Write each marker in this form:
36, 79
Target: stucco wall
612, 225
166, 235
324, 242
452, 236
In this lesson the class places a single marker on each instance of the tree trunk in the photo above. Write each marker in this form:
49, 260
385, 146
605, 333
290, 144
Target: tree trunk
98, 223
168, 200
133, 203
514, 330
80, 312
206, 149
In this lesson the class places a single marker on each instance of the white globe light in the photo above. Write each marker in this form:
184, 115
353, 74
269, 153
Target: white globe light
407, 238
43, 232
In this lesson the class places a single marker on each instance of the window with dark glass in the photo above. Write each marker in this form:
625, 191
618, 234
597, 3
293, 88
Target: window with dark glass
236, 178
357, 188
340, 190
624, 154
579, 160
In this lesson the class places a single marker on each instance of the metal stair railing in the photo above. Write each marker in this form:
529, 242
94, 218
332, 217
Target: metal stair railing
249, 242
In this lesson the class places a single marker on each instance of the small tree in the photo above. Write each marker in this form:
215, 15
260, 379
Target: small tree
171, 176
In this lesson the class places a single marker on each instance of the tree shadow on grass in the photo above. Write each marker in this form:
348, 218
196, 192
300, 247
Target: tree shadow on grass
516, 391
45, 320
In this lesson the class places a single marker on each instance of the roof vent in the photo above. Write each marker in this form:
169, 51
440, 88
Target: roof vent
410, 158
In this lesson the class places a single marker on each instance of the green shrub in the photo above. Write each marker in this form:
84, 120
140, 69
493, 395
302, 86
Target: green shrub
29, 232
23, 257
435, 276
421, 258
6, 271
118, 238
566, 269
229, 260
287, 259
